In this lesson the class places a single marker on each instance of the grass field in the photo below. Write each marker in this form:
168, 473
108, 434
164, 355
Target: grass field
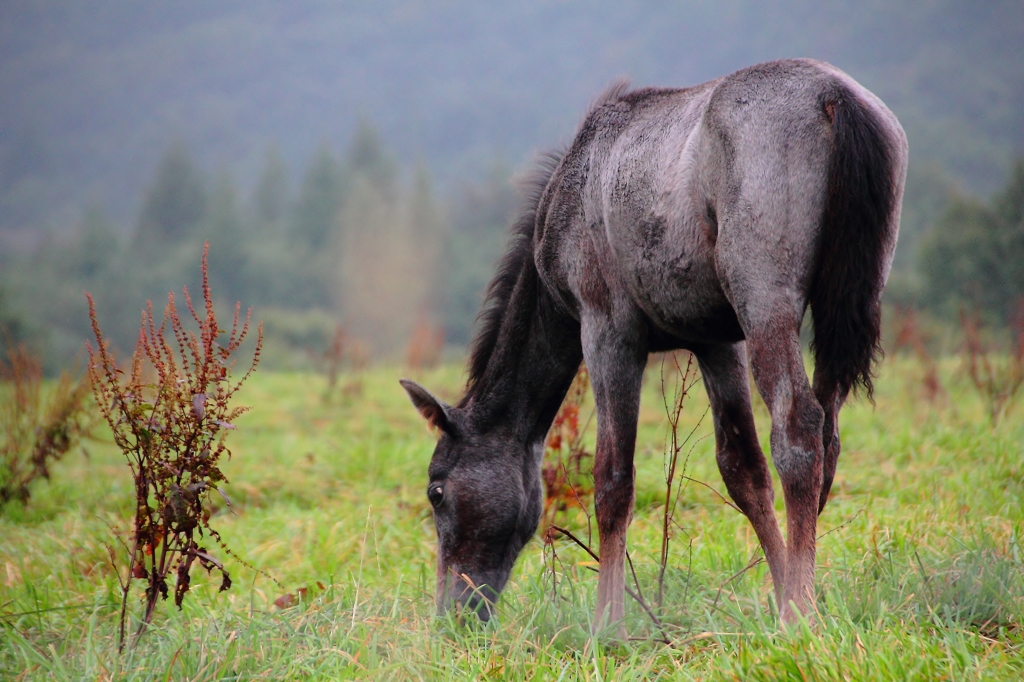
920, 565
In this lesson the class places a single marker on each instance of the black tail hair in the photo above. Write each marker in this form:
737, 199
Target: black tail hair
846, 289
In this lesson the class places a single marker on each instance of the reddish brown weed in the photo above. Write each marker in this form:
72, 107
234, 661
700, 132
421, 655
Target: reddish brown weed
997, 376
36, 429
567, 470
171, 423
425, 345
910, 337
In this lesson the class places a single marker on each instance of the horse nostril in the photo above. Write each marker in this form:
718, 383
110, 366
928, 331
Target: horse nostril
483, 613
481, 606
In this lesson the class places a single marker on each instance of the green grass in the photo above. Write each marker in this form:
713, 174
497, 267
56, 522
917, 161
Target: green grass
919, 578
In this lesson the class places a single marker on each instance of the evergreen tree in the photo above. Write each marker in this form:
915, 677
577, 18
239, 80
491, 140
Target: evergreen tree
98, 246
975, 254
1008, 209
372, 285
175, 202
270, 197
12, 325
367, 158
1009, 203
389, 249
320, 198
222, 227
480, 220
428, 236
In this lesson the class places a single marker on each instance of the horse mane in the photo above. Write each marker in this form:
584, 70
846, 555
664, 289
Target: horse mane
615, 91
519, 250
518, 254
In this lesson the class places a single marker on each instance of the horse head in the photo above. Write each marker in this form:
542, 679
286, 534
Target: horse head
486, 504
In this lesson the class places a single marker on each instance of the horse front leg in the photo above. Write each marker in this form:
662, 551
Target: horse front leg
616, 369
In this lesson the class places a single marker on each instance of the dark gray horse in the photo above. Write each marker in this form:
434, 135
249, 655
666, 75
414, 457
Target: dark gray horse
707, 218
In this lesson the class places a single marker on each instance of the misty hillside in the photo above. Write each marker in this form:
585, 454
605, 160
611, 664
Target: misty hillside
93, 93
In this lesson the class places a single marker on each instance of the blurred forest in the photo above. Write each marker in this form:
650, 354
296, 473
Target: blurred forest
353, 163
356, 244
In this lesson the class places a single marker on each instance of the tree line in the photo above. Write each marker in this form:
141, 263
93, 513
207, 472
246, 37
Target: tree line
366, 244
360, 242
973, 255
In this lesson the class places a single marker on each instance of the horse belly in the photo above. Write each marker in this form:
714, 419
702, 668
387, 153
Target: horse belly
675, 283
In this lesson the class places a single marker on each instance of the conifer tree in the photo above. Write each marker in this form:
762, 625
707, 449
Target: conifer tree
974, 256
175, 202
428, 236
270, 197
98, 245
222, 227
367, 158
320, 198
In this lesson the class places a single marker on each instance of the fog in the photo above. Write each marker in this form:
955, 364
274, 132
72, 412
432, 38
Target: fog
459, 94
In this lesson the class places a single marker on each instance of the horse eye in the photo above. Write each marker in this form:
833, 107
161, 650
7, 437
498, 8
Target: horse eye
436, 494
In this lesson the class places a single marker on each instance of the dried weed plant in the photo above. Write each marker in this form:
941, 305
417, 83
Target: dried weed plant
425, 345
170, 412
909, 337
997, 375
681, 380
37, 426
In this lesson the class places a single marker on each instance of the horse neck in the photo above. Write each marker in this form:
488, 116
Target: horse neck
532, 365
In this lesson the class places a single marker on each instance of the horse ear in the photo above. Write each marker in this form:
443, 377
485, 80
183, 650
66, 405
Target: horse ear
436, 412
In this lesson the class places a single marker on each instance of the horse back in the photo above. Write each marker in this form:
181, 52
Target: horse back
684, 207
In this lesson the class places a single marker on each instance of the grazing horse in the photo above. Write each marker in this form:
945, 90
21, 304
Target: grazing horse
705, 218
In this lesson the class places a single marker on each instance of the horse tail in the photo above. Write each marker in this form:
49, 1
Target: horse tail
856, 238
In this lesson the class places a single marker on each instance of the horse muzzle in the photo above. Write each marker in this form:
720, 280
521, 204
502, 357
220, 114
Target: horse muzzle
458, 591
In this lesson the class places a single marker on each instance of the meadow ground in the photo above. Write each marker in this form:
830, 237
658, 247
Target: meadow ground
920, 566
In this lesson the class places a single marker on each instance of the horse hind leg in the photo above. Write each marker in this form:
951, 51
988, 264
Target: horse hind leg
798, 422
831, 400
767, 245
741, 462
